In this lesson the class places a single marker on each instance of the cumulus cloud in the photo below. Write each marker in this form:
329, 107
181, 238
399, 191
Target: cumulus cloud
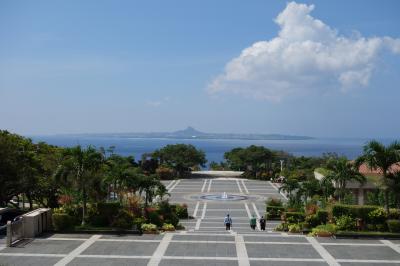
307, 55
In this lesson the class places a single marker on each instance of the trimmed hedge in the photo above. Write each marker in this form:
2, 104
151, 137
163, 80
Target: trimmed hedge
355, 211
294, 217
320, 217
394, 226
63, 221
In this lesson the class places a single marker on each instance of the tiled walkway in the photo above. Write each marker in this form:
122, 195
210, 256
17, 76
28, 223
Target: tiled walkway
205, 242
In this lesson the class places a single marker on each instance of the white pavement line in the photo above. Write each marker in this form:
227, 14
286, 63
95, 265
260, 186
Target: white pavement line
243, 258
258, 215
197, 227
238, 184
196, 209
172, 188
128, 240
204, 185
67, 259
114, 257
33, 255
277, 189
160, 251
286, 259
247, 210
170, 184
203, 213
244, 186
196, 258
391, 245
322, 252
209, 185
352, 244
277, 243
203, 241
369, 261
61, 238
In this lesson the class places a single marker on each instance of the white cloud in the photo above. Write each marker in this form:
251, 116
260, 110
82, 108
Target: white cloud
157, 103
307, 55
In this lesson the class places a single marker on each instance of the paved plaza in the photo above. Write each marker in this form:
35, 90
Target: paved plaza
205, 240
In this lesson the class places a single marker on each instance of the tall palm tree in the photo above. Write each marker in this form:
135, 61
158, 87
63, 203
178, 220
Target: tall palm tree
342, 171
381, 157
79, 169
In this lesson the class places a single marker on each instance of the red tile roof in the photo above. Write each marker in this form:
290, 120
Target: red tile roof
366, 170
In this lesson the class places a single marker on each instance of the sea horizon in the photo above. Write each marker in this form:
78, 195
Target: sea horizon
214, 149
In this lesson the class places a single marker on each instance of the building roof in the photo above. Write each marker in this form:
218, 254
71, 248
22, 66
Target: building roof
366, 170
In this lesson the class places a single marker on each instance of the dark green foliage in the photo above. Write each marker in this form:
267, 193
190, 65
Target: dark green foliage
394, 214
181, 211
320, 217
274, 212
377, 217
104, 213
294, 217
62, 221
123, 220
355, 211
168, 212
155, 218
180, 157
345, 223
394, 226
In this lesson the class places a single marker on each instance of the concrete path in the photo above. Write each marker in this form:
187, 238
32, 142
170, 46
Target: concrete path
206, 242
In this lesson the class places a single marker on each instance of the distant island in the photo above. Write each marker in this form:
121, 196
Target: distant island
191, 133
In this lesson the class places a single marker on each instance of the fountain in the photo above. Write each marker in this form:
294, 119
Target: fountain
224, 196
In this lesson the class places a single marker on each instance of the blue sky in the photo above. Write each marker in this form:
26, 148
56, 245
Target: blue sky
326, 68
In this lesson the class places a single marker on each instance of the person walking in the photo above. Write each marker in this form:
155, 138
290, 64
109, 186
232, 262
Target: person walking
262, 223
253, 222
228, 222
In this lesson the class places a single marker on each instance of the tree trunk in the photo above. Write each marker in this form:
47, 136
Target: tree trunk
387, 199
84, 205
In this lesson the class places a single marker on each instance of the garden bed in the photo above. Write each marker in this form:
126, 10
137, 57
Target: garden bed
361, 234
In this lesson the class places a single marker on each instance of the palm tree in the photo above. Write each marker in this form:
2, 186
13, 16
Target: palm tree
289, 185
79, 169
342, 172
380, 157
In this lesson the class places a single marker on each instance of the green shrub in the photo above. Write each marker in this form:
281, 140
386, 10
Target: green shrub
274, 202
394, 214
104, 213
274, 212
294, 217
377, 216
138, 221
181, 211
324, 229
168, 227
63, 221
281, 227
149, 227
154, 217
345, 223
123, 220
168, 212
320, 217
294, 228
394, 226
355, 211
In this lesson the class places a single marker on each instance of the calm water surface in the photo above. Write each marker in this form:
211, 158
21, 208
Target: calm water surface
215, 148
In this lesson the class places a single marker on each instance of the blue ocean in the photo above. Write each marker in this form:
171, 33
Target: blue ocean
214, 148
